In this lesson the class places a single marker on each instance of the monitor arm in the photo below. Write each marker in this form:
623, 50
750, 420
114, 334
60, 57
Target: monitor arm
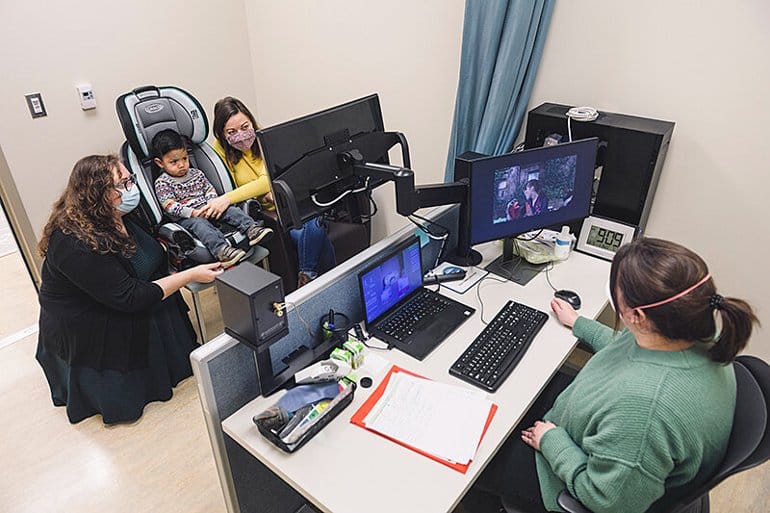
410, 198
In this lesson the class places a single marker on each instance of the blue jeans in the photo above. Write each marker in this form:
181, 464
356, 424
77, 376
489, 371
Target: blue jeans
314, 249
210, 235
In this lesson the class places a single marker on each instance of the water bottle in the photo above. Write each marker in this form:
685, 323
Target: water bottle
561, 249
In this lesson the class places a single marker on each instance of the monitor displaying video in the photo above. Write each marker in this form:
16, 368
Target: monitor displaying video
515, 193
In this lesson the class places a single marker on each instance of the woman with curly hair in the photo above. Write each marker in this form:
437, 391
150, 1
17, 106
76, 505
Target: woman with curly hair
114, 332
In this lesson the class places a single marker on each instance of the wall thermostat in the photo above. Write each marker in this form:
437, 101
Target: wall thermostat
87, 98
602, 237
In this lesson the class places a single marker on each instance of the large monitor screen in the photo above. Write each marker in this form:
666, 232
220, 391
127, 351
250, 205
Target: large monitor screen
518, 192
302, 154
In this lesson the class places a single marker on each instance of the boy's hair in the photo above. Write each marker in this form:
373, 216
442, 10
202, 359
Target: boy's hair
166, 141
535, 184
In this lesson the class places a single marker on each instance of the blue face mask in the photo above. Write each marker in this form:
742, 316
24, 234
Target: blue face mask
129, 199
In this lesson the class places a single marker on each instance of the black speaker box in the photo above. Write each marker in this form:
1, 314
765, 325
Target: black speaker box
631, 154
247, 296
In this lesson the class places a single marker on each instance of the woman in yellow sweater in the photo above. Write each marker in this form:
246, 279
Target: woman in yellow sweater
234, 130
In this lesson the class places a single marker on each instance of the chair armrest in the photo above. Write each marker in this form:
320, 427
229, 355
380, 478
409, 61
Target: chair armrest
570, 504
184, 250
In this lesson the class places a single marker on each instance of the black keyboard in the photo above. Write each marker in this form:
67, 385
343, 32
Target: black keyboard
492, 356
420, 308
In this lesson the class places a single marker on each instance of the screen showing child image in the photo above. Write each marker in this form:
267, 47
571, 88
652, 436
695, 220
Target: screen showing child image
391, 281
524, 191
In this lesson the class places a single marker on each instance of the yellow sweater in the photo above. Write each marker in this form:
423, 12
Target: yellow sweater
250, 177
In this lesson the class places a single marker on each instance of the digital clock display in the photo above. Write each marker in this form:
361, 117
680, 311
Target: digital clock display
605, 239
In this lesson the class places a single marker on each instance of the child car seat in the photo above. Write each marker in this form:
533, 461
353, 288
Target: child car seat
143, 113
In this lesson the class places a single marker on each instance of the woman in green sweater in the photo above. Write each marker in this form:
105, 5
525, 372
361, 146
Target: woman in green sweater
651, 412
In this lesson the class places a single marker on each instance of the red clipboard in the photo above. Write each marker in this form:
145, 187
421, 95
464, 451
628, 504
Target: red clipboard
359, 416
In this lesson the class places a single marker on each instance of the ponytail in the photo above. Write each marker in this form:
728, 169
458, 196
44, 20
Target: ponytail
737, 322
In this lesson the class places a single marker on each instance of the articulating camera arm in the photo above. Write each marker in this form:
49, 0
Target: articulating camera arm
410, 198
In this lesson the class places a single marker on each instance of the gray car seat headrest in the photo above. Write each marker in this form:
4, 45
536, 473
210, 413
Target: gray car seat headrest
147, 110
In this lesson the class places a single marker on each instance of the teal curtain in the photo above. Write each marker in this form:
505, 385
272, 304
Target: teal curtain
501, 49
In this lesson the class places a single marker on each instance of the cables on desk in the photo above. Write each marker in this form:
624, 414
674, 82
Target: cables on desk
478, 294
548, 278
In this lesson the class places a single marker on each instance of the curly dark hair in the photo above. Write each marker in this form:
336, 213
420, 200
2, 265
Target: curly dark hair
224, 109
85, 210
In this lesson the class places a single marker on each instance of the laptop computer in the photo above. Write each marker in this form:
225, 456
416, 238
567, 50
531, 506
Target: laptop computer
399, 310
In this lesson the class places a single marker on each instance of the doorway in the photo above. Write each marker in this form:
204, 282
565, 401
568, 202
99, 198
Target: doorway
18, 297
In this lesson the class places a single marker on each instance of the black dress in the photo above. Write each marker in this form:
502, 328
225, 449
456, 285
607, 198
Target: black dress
120, 395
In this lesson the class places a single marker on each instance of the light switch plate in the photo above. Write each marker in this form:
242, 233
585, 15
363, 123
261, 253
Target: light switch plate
36, 105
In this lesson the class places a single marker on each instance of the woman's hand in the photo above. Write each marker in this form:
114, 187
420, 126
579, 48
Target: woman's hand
533, 435
206, 273
564, 312
216, 207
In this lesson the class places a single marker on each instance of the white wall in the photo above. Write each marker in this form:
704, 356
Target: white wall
311, 55
116, 46
705, 66
701, 64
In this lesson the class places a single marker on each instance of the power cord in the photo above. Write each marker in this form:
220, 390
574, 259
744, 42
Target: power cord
548, 278
443, 237
478, 294
283, 307
583, 114
335, 200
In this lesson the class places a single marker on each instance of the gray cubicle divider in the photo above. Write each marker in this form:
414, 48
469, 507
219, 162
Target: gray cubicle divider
226, 372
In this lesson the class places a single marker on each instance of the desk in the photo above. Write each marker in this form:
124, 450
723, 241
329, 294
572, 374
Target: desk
346, 469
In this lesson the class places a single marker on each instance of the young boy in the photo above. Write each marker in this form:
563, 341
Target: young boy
183, 193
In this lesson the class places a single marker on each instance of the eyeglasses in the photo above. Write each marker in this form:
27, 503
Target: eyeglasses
126, 184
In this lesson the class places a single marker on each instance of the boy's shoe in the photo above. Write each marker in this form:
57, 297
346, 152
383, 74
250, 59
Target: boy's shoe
303, 279
257, 234
230, 256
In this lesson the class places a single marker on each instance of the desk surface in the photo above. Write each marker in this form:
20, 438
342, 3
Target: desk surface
347, 469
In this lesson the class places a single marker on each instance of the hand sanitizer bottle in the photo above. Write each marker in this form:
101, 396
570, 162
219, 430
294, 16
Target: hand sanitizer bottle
561, 249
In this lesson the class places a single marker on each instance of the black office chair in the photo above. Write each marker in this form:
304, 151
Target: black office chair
748, 447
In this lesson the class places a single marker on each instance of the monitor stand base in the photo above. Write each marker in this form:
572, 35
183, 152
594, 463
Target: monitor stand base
516, 270
513, 267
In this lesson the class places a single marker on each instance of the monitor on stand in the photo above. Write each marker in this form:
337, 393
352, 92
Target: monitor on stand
302, 157
516, 193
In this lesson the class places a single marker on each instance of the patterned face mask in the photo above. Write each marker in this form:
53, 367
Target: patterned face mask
242, 140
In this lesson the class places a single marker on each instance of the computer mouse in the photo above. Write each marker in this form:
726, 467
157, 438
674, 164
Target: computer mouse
569, 296
453, 270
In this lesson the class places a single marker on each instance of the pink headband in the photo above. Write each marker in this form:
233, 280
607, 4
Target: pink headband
676, 296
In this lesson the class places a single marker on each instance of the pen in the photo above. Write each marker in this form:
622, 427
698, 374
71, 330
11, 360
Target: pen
303, 427
306, 422
468, 277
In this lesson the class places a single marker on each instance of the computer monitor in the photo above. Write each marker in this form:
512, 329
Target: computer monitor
301, 156
519, 192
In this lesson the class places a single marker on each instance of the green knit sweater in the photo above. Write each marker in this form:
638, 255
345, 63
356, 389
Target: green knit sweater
635, 423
